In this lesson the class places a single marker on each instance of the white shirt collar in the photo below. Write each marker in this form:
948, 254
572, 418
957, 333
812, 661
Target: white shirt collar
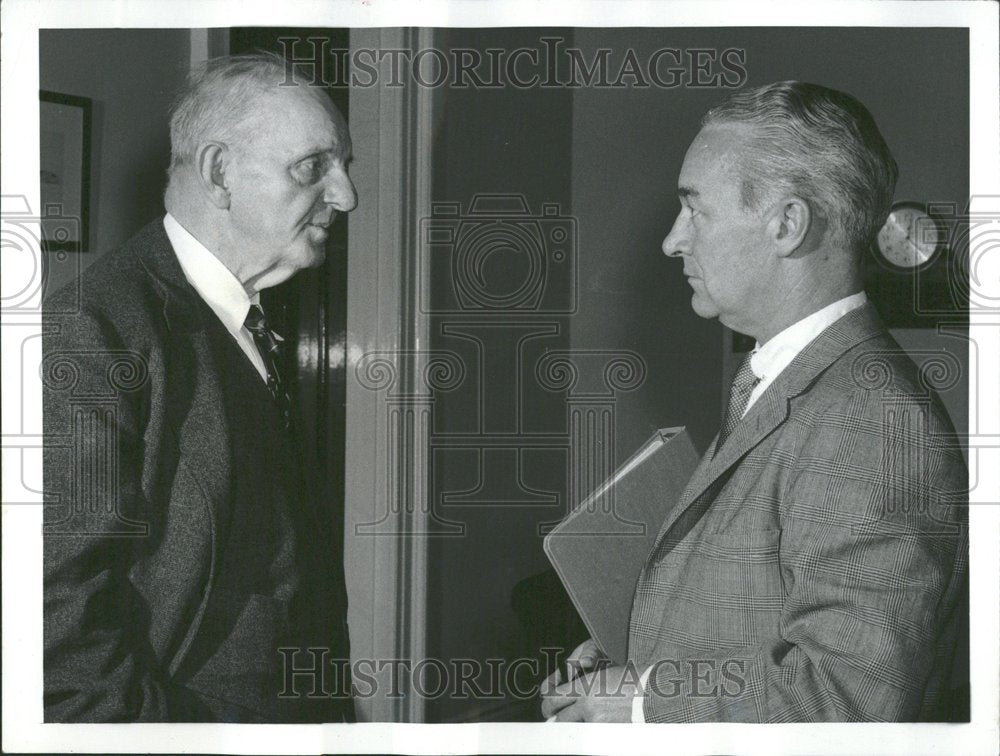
770, 359
213, 281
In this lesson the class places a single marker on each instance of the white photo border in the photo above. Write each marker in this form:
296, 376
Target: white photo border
22, 583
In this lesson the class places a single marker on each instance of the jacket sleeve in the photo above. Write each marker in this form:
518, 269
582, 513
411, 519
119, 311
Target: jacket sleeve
98, 665
873, 544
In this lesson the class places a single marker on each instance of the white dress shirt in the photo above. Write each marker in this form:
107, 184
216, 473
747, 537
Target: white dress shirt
217, 285
767, 361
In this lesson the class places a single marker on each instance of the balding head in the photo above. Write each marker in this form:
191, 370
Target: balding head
221, 99
259, 167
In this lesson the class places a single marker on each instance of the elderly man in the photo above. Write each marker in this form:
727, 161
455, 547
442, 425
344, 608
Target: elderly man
188, 566
815, 566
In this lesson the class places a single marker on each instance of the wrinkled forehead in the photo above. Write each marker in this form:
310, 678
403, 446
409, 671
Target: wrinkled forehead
299, 119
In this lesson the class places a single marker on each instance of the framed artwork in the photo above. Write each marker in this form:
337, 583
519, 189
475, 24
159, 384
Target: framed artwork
65, 126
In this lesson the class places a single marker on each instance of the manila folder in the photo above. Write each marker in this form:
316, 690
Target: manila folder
600, 547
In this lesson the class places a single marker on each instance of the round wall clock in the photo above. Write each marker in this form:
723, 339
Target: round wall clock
911, 238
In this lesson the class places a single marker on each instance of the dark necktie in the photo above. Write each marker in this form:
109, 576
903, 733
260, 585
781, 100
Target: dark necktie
269, 345
739, 394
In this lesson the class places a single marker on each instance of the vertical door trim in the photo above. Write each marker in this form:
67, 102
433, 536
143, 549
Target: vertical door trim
386, 477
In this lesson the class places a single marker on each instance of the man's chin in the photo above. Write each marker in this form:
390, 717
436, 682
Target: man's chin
318, 255
702, 307
317, 235
312, 256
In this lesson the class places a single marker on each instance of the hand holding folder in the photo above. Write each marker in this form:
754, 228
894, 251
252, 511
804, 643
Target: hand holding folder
585, 658
600, 547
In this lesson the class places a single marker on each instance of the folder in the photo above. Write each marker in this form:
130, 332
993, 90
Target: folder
600, 547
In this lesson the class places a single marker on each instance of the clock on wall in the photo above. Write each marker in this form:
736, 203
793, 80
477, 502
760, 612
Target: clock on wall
912, 238
911, 272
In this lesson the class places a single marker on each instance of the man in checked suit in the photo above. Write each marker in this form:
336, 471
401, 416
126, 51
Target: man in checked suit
815, 567
188, 562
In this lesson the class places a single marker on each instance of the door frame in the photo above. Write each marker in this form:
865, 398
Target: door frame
387, 459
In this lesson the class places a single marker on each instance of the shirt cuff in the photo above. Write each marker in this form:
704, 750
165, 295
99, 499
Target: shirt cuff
638, 717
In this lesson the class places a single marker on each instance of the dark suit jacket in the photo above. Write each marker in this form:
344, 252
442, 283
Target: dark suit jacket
816, 568
183, 545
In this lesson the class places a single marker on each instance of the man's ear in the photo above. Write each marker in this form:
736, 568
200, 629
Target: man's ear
211, 162
790, 224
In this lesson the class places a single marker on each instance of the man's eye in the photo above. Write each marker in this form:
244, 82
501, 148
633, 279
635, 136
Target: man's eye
308, 171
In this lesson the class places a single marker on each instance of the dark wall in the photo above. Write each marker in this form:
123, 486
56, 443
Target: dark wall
130, 148
501, 141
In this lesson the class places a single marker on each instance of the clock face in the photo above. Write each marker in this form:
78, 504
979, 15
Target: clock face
910, 238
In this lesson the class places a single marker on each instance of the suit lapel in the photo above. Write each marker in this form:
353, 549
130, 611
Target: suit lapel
771, 409
193, 397
181, 309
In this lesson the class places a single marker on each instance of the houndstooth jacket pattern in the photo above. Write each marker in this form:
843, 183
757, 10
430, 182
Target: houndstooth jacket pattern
816, 569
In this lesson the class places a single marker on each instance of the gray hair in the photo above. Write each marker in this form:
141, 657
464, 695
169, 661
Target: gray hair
219, 97
820, 144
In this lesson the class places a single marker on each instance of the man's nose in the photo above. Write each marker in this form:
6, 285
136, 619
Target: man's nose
676, 243
340, 192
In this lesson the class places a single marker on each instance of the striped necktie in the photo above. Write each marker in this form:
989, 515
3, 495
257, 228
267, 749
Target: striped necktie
269, 345
739, 394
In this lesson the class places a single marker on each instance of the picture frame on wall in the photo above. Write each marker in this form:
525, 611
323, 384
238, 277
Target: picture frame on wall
65, 141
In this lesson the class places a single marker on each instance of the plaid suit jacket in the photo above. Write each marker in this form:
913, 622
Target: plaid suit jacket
815, 569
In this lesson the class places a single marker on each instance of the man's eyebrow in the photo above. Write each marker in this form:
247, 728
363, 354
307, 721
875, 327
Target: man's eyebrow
335, 152
686, 191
